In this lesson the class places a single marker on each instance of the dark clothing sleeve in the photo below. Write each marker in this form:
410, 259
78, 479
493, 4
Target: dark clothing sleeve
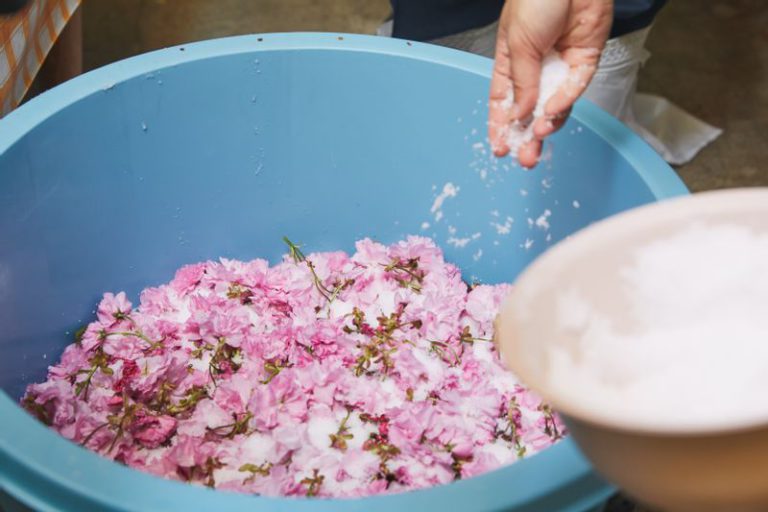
423, 20
631, 15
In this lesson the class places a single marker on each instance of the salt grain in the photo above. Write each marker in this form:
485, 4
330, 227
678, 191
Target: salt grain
542, 221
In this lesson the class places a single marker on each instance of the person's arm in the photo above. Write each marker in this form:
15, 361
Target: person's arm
528, 30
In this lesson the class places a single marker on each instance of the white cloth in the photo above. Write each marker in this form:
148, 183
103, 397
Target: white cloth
674, 133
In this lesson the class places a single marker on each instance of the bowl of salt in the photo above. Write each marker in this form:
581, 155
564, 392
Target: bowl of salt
648, 332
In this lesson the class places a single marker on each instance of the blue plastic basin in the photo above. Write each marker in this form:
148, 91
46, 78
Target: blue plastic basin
113, 180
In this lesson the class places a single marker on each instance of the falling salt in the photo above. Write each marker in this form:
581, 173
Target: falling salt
460, 243
451, 230
576, 204
477, 255
542, 221
425, 225
527, 244
554, 74
692, 348
503, 229
523, 192
143, 126
449, 190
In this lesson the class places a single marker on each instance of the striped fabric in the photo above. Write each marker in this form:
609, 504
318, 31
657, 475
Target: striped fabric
26, 37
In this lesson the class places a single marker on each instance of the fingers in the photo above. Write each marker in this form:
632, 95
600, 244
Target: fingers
583, 64
546, 126
525, 73
520, 76
499, 114
529, 153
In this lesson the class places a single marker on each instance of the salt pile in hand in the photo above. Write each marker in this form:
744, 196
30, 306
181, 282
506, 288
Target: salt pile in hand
325, 375
554, 74
698, 349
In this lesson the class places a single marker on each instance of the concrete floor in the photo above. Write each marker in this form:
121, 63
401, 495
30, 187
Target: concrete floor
709, 57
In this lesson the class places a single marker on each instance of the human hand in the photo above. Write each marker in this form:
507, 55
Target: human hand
528, 30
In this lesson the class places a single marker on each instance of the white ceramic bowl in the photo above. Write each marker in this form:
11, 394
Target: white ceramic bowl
672, 463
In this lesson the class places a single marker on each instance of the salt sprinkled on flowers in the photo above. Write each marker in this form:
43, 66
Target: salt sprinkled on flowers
554, 74
325, 375
698, 351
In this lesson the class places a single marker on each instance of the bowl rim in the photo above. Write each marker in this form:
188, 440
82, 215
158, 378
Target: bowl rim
31, 454
681, 210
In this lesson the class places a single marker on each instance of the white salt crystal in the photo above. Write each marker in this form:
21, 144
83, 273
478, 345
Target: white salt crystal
542, 221
459, 243
319, 430
425, 225
696, 347
576, 204
554, 74
449, 190
503, 229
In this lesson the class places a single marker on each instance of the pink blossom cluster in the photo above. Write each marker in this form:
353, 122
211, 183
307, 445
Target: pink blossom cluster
325, 375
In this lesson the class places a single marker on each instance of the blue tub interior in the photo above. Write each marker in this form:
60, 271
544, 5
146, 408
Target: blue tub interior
221, 148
